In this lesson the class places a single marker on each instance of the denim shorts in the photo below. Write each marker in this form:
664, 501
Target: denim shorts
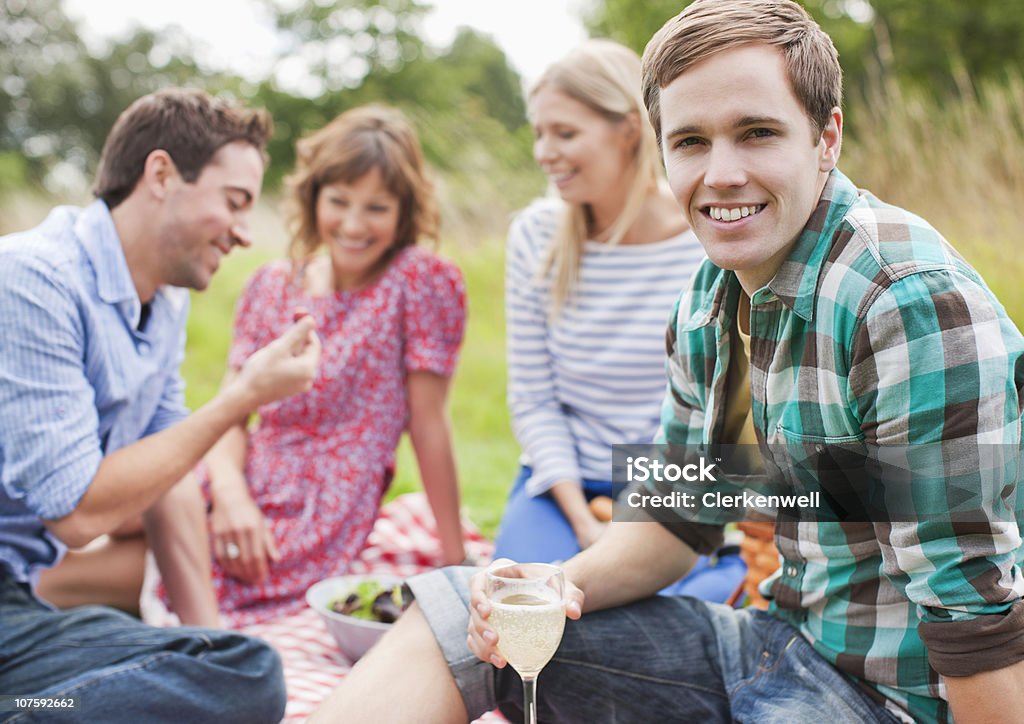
663, 659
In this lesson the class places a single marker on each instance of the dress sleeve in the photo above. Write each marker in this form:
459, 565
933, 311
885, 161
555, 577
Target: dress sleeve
435, 316
252, 326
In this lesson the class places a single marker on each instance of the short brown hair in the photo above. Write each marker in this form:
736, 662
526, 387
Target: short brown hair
345, 150
190, 125
709, 26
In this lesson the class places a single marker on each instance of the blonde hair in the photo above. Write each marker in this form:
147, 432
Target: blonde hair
345, 150
707, 27
605, 77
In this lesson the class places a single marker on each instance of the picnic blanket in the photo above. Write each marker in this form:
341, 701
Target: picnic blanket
404, 542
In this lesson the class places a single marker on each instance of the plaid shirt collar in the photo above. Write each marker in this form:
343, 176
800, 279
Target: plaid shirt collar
796, 282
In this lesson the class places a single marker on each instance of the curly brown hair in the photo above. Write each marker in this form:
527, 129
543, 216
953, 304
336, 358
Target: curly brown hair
345, 150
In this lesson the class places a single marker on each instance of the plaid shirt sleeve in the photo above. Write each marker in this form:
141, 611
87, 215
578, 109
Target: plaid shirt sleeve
683, 412
931, 373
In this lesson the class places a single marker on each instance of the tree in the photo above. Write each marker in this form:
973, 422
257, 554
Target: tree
935, 46
58, 101
632, 23
463, 99
40, 69
482, 71
943, 45
330, 47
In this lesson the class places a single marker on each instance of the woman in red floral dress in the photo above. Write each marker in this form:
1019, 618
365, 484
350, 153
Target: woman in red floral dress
294, 497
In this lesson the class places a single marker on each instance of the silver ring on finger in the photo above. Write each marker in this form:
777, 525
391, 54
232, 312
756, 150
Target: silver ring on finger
231, 550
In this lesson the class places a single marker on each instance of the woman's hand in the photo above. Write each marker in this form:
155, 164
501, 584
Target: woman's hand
482, 639
568, 494
588, 529
242, 541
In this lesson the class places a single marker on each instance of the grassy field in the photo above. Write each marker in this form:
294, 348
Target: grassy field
485, 449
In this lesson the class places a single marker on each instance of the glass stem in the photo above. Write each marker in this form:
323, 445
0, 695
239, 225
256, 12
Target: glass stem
530, 699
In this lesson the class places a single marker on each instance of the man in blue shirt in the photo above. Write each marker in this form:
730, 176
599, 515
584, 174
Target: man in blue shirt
93, 427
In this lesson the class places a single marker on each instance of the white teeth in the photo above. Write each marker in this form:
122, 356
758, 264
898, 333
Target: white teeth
719, 214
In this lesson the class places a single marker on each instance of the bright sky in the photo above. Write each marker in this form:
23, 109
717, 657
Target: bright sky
532, 33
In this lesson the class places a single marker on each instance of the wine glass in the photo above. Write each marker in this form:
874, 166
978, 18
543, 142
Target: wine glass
528, 614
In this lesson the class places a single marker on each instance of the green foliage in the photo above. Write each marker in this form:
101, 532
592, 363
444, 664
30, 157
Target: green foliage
341, 44
935, 47
633, 23
13, 172
629, 22
58, 102
480, 69
58, 99
945, 45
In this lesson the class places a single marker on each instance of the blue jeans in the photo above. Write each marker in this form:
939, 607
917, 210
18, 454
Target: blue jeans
533, 528
122, 670
663, 659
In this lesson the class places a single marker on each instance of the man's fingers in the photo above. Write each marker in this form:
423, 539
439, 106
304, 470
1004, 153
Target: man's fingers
481, 605
482, 641
573, 601
300, 334
500, 563
310, 346
484, 651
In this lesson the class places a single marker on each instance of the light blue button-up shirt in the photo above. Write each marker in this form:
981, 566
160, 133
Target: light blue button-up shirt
78, 380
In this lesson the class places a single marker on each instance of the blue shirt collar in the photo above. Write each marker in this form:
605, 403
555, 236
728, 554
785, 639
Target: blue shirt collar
97, 234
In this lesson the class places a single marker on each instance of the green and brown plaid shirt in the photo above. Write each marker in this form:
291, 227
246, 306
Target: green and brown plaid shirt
874, 331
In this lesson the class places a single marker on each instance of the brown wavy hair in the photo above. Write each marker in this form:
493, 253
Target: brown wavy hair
345, 150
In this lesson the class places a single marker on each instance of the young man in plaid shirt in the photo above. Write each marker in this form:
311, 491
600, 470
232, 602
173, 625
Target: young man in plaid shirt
823, 317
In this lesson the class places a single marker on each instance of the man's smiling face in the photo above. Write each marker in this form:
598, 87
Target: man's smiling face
744, 159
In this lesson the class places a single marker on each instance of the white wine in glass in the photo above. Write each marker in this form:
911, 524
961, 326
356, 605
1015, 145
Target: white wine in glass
528, 614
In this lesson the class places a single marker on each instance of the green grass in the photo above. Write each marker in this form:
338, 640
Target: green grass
485, 449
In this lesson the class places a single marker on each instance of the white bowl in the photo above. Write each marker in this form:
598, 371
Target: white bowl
355, 636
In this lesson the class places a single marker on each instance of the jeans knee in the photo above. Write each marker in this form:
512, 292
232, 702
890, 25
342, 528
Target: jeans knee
263, 684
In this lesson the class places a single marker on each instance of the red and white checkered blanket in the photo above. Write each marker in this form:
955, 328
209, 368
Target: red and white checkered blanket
404, 542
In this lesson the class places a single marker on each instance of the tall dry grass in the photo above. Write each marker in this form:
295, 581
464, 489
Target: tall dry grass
959, 163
